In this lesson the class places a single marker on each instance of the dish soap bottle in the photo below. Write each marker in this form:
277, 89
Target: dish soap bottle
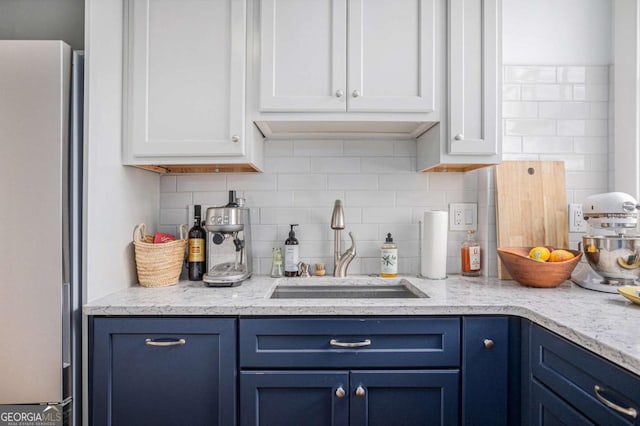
470, 255
291, 246
389, 258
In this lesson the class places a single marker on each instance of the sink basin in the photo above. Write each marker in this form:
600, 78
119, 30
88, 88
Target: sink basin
333, 289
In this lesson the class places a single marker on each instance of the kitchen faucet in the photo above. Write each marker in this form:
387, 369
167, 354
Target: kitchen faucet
341, 261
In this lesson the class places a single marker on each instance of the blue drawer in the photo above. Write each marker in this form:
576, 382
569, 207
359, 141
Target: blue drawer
349, 342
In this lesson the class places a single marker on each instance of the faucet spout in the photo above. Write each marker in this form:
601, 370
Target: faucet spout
341, 260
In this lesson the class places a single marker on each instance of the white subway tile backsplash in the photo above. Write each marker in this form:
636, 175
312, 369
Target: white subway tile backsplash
313, 148
368, 148
564, 110
520, 110
404, 148
535, 127
591, 92
388, 165
335, 165
176, 200
529, 74
572, 74
383, 215
200, 182
316, 198
168, 183
547, 92
548, 144
278, 148
353, 182
315, 182
291, 165
511, 92
251, 181
549, 113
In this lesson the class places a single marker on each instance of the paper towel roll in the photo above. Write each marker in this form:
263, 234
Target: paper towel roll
433, 261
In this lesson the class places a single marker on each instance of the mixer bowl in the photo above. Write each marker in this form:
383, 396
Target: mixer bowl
616, 258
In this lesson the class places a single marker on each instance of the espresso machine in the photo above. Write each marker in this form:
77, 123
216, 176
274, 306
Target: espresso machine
228, 244
612, 247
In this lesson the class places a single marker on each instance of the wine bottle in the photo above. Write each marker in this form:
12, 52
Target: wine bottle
197, 239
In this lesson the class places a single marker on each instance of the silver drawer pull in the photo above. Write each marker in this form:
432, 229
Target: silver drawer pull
631, 412
151, 342
340, 393
334, 342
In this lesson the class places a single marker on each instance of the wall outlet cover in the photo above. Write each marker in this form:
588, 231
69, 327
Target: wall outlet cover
463, 216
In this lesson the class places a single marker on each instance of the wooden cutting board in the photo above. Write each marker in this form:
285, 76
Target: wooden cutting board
531, 205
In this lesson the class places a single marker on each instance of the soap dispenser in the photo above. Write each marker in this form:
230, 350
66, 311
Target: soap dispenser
389, 258
291, 246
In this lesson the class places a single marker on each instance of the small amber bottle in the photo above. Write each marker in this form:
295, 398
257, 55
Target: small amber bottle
470, 256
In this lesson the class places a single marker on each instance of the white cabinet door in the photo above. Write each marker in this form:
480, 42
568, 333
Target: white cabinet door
392, 49
474, 77
303, 55
186, 78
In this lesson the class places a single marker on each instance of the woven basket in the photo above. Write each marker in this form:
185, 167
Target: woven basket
158, 265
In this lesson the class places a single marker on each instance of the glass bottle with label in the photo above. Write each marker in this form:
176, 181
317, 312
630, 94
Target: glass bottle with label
196, 243
470, 256
276, 263
291, 254
389, 258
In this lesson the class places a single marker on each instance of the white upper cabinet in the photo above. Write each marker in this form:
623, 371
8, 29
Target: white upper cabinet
469, 135
185, 82
347, 55
474, 77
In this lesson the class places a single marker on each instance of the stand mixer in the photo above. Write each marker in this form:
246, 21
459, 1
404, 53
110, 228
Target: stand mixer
612, 249
228, 244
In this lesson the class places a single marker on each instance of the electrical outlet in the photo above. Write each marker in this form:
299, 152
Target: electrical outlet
576, 220
463, 216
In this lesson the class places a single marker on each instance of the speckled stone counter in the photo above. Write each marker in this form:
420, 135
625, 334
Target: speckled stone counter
601, 322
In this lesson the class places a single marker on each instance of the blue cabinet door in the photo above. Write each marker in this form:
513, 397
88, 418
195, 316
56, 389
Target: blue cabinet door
404, 398
155, 371
547, 409
294, 398
485, 370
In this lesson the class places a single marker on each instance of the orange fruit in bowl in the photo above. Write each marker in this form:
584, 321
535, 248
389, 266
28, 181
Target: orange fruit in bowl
560, 256
541, 254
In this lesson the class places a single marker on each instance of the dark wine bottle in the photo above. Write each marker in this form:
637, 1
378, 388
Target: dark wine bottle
197, 239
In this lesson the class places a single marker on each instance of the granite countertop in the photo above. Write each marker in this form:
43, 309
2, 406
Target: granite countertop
601, 322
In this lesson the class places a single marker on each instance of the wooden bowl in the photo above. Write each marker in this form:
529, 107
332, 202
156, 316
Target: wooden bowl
532, 273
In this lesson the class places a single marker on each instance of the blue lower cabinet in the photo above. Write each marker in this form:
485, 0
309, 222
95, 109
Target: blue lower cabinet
157, 371
548, 409
342, 398
598, 390
488, 356
404, 398
294, 398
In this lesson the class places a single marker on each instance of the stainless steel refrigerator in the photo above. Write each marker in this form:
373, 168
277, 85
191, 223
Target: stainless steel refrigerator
41, 89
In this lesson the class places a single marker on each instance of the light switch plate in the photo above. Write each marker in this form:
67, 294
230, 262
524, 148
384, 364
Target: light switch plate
463, 216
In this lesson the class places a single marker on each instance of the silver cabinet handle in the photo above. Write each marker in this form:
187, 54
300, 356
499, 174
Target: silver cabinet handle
488, 343
334, 342
459, 137
355, 94
151, 342
631, 412
339, 93
340, 393
360, 393
235, 138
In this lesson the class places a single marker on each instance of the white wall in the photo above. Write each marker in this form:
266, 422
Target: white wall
117, 197
557, 32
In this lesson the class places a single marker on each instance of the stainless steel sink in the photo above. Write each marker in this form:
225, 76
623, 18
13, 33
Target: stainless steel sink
400, 289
